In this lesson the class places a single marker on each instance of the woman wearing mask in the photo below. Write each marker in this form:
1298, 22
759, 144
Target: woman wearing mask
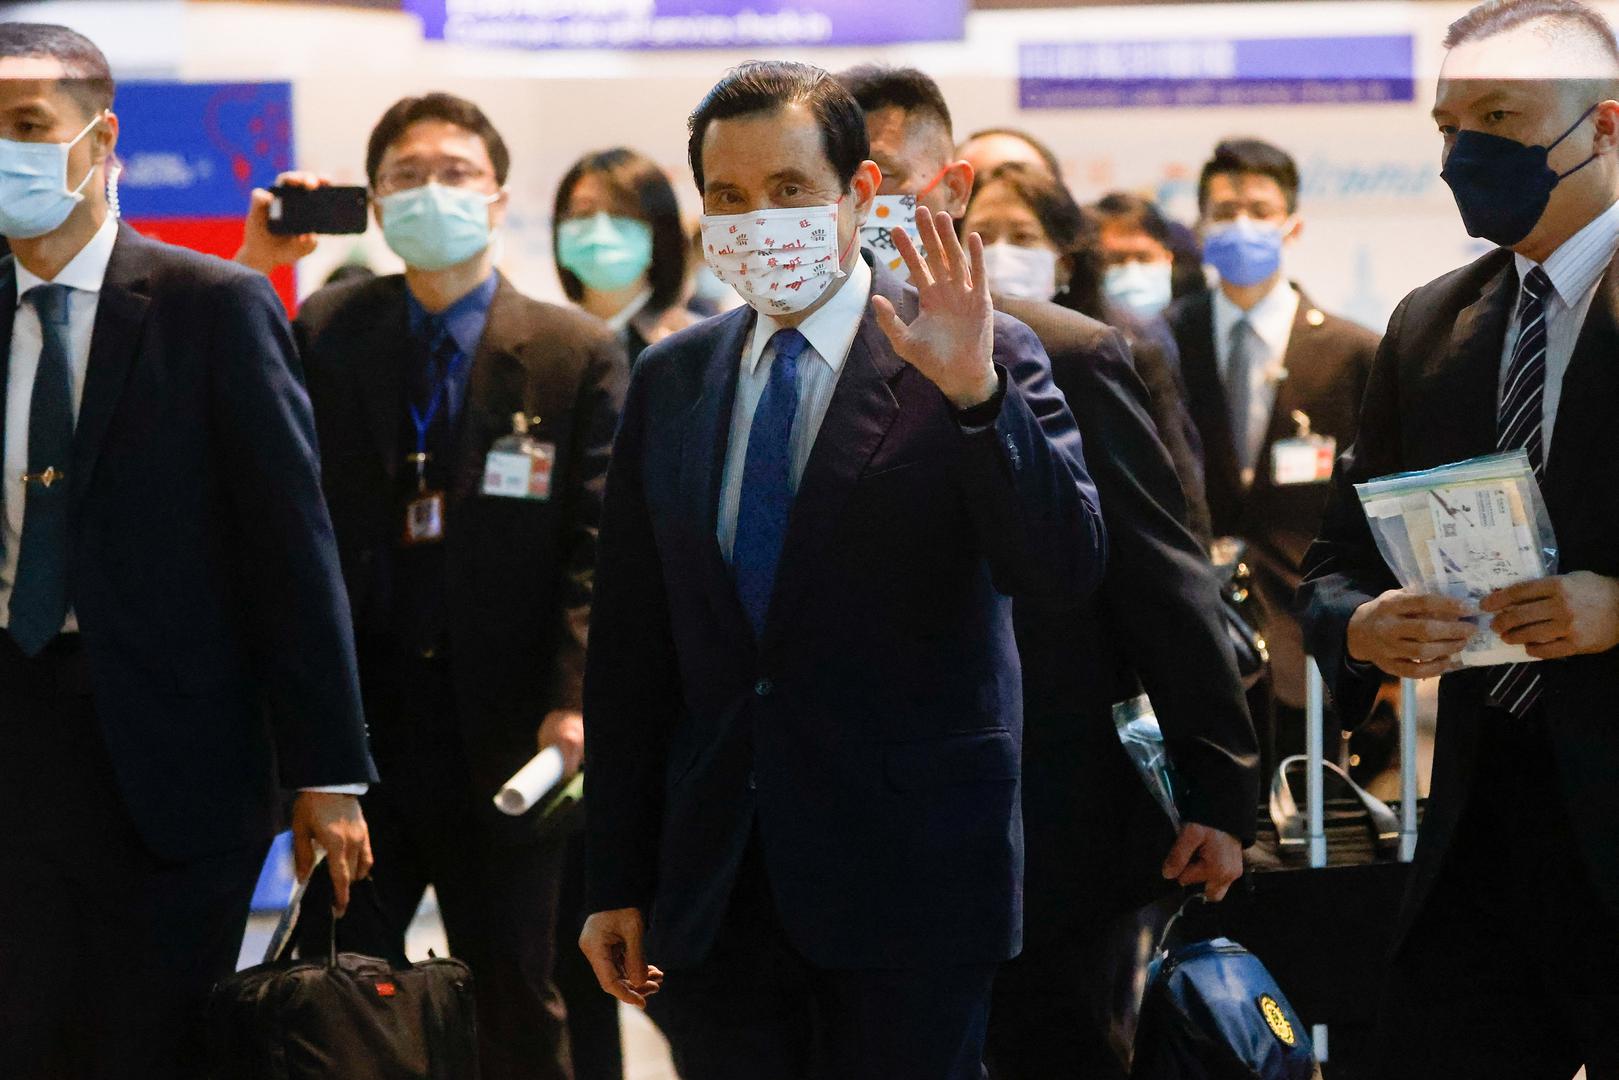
1039, 245
621, 249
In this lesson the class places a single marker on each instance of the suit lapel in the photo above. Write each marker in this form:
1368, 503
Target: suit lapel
1200, 366
382, 351
857, 419
1300, 384
494, 389
8, 314
114, 342
704, 443
1465, 376
1590, 392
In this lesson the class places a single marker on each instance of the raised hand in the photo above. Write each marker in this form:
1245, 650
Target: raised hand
952, 339
263, 250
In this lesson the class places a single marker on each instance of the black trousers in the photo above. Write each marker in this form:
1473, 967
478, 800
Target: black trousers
1512, 969
498, 899
757, 1010
107, 952
593, 1028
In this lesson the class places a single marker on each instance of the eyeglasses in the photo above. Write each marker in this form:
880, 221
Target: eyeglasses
451, 174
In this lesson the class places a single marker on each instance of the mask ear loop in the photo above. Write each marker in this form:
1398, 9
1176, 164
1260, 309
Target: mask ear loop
78, 192
1583, 117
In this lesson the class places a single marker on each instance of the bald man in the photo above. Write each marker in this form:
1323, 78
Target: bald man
1508, 962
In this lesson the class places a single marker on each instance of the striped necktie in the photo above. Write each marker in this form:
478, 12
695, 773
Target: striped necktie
1521, 426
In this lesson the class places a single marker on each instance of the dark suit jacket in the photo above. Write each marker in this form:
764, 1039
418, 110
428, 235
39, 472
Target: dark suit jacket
871, 737
1432, 400
1327, 362
520, 571
1155, 623
202, 566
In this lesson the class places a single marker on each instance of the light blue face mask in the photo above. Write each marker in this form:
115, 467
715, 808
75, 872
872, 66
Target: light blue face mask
34, 196
433, 227
1244, 252
606, 252
1143, 289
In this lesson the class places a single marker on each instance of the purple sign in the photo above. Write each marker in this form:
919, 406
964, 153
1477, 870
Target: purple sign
1207, 72
686, 24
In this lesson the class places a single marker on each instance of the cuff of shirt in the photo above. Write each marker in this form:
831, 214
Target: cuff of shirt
983, 415
340, 789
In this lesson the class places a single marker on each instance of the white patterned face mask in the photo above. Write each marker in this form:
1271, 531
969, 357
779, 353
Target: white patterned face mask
781, 260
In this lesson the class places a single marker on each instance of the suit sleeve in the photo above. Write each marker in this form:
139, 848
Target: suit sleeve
1162, 596
1032, 502
1167, 406
632, 685
596, 412
295, 604
1343, 568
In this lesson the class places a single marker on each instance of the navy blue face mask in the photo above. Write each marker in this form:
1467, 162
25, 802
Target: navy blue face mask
1501, 185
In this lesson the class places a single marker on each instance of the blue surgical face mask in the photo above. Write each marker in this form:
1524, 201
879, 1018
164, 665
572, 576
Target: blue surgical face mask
1141, 288
34, 196
433, 227
606, 252
1244, 252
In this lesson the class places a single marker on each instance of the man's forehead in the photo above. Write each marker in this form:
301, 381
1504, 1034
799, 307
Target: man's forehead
738, 149
1245, 185
428, 137
39, 70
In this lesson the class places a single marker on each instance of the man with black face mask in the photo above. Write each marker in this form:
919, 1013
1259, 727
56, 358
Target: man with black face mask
1508, 963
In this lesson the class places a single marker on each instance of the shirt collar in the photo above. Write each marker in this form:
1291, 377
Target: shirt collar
831, 330
1577, 265
85, 272
465, 318
1272, 318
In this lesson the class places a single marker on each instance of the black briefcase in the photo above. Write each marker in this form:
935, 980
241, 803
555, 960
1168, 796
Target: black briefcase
347, 1016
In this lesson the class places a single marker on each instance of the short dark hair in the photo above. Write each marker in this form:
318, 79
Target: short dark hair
913, 92
634, 180
88, 77
437, 106
1047, 155
1134, 212
768, 85
1498, 16
1254, 157
1066, 225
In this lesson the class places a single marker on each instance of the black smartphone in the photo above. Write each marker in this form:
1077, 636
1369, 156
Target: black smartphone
328, 211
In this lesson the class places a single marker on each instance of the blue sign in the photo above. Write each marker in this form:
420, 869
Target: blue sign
1206, 72
197, 150
687, 24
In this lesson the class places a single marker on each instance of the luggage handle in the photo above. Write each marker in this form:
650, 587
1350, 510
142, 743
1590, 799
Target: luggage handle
287, 926
1315, 723
1291, 827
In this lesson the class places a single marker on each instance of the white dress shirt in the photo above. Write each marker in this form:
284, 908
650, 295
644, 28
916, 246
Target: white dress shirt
1575, 270
830, 332
1272, 322
83, 276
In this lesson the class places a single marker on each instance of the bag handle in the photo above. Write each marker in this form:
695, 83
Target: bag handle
286, 928
1291, 828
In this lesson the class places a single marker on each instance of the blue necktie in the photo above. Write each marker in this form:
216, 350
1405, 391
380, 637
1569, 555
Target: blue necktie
767, 487
1520, 426
39, 595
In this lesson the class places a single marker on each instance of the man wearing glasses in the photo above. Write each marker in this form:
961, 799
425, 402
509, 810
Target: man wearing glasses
468, 564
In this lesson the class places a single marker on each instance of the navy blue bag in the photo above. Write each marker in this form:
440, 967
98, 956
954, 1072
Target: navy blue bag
1213, 1012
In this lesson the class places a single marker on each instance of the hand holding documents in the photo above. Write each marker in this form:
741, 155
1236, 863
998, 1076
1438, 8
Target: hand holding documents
1463, 531
531, 783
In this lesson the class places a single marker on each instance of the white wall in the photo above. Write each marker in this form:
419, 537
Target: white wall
1378, 219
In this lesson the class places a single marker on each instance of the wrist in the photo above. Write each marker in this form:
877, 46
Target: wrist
978, 393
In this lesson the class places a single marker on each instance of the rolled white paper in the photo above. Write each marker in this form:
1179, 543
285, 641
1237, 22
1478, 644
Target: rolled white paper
543, 772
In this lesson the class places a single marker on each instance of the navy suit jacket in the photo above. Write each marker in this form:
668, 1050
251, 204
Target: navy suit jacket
201, 561
871, 736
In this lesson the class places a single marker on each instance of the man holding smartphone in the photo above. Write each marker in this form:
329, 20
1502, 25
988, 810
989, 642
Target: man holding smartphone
470, 585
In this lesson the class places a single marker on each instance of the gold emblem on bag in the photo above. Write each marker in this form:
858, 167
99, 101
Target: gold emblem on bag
1280, 1025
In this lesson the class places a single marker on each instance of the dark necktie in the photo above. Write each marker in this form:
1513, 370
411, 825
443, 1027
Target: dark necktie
433, 396
767, 491
39, 600
1241, 358
1520, 426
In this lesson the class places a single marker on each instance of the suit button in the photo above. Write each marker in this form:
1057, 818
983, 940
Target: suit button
764, 687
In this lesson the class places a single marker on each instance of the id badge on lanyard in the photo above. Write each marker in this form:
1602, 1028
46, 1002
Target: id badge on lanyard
1306, 458
424, 513
519, 466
